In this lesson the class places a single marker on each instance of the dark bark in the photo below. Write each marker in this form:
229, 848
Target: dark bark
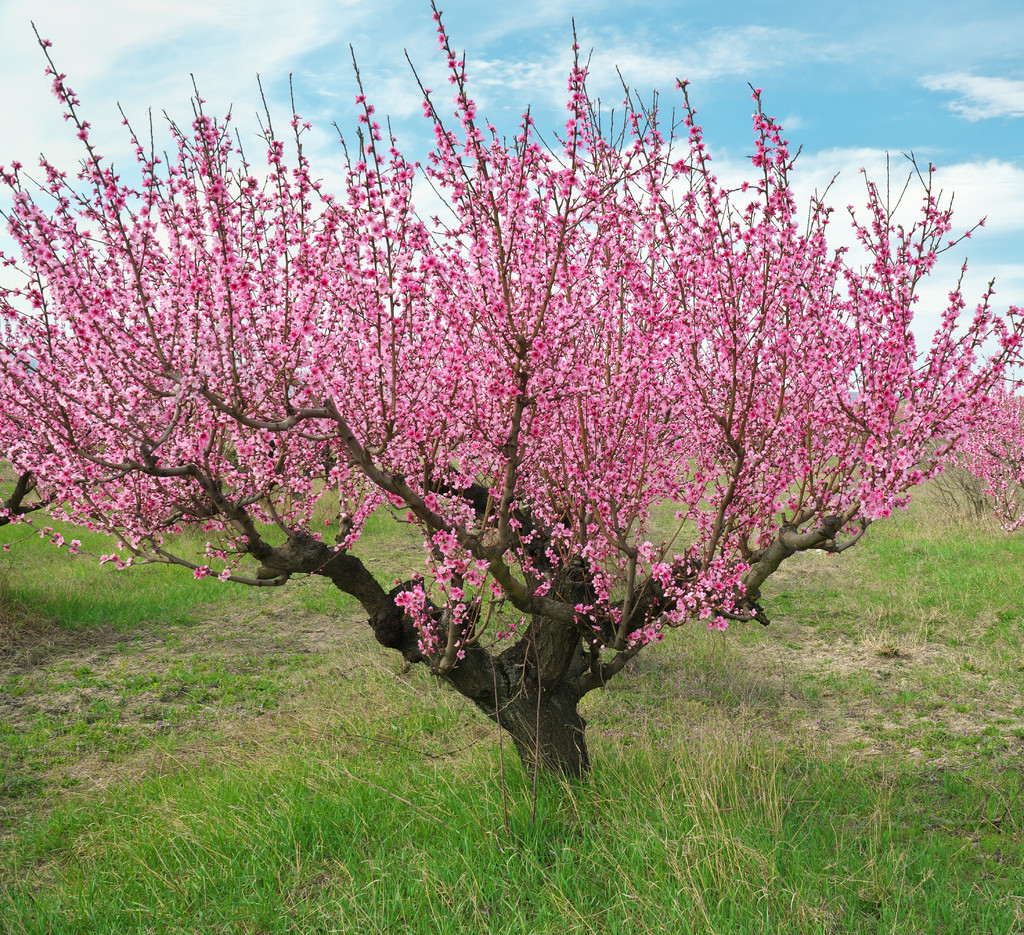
531, 690
791, 540
16, 503
536, 691
535, 705
543, 720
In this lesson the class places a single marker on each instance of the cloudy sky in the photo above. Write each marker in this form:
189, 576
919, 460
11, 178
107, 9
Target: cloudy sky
850, 82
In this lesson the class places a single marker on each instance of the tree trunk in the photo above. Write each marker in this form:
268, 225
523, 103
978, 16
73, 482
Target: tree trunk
531, 690
560, 745
539, 714
546, 728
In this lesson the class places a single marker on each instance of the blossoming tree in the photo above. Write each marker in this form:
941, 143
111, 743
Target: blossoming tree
593, 329
993, 452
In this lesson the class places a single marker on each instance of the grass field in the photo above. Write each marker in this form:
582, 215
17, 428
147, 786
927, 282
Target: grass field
191, 757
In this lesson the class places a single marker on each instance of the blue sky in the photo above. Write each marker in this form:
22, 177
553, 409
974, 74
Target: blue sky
849, 81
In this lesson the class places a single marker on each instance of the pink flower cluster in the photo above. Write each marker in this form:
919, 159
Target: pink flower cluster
993, 451
597, 329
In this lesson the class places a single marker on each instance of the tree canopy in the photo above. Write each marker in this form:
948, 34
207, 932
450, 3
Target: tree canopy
590, 329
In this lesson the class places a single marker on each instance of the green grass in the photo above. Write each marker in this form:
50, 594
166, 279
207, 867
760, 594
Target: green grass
950, 574
252, 762
76, 591
720, 834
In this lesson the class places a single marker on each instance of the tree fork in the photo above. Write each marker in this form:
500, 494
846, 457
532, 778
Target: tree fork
531, 690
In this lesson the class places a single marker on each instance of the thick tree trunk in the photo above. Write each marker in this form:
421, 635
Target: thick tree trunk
540, 715
532, 689
546, 729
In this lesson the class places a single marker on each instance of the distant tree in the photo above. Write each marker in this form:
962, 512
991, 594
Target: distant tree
992, 454
593, 328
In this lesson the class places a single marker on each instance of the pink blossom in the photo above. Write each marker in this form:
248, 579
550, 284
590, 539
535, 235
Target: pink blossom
591, 333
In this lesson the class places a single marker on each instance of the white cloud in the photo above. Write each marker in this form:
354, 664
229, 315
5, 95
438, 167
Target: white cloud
933, 292
986, 187
979, 98
651, 61
141, 55
725, 52
990, 189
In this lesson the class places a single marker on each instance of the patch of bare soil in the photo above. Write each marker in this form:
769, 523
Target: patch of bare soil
874, 692
83, 709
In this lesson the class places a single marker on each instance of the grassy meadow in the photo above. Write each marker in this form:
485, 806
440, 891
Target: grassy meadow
181, 756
